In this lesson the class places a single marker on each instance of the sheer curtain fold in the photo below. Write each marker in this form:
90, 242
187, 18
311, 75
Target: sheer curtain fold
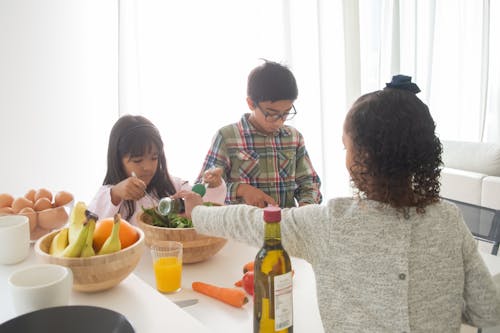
446, 47
129, 89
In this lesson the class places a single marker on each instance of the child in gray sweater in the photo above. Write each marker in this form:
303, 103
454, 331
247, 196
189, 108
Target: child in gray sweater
395, 258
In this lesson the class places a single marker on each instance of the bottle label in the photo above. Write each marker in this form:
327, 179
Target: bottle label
283, 301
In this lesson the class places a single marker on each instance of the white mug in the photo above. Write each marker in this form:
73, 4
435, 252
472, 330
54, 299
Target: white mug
14, 238
40, 286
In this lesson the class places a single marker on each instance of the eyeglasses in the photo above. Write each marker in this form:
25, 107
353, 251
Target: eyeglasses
279, 116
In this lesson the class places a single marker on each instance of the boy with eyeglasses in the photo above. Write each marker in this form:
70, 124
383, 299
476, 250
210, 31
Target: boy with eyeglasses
264, 161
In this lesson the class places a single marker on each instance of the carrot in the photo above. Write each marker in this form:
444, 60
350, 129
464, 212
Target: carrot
238, 283
248, 267
232, 296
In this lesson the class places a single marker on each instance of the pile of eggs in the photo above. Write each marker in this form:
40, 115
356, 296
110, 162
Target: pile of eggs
45, 211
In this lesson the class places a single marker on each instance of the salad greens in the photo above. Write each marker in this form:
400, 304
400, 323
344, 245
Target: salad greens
172, 220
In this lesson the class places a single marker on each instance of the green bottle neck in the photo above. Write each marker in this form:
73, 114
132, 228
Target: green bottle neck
272, 232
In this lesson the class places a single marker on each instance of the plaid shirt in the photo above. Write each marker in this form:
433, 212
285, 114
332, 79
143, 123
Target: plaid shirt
277, 164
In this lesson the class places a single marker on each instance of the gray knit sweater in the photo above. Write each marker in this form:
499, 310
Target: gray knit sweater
377, 271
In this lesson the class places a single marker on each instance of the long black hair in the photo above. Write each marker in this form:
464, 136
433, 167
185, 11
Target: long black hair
135, 136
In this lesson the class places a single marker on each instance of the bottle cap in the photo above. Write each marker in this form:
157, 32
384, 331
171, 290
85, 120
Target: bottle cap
272, 214
200, 189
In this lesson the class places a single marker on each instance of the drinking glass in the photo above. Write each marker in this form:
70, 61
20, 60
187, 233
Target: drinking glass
167, 265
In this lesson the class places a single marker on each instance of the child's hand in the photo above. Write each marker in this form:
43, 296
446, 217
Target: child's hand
131, 188
253, 196
213, 177
191, 200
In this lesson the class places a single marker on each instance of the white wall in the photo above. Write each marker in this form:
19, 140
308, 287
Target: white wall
58, 93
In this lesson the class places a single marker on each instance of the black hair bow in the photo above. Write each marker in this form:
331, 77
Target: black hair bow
403, 82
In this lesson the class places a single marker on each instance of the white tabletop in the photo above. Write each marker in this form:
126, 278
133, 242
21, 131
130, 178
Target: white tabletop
150, 311
225, 268
145, 308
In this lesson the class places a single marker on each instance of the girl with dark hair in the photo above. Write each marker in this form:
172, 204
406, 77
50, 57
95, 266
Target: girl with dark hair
137, 174
394, 258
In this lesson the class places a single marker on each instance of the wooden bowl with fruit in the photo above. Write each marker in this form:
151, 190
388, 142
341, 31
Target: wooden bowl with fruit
196, 247
96, 253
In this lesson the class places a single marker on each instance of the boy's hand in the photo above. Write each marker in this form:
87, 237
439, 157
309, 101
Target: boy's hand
131, 188
253, 196
213, 177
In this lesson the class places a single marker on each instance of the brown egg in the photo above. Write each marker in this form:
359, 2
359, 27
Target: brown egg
20, 203
31, 215
43, 193
42, 204
30, 195
6, 211
62, 198
6, 200
52, 218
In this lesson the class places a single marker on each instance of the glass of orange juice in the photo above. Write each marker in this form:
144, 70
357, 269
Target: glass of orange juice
167, 265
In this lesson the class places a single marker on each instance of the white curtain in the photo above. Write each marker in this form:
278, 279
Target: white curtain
58, 94
184, 65
450, 48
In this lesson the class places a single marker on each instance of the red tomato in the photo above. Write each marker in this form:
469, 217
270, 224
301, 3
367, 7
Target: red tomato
248, 282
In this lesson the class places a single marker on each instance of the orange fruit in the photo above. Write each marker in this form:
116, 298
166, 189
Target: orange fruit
103, 227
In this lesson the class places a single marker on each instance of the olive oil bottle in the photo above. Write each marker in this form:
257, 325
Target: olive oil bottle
273, 303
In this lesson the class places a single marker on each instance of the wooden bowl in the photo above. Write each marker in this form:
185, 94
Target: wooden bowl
99, 272
196, 247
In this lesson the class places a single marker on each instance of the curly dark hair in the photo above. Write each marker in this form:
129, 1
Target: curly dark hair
396, 153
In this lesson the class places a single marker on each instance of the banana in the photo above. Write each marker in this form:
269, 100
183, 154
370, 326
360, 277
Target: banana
75, 249
112, 243
88, 250
76, 220
59, 242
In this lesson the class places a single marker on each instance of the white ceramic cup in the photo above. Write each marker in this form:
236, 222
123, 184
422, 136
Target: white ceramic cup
40, 286
14, 238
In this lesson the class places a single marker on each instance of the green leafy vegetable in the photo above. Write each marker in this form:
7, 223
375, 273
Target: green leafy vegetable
177, 221
172, 220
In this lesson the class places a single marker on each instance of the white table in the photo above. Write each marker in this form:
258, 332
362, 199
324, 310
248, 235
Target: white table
145, 308
150, 311
224, 269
